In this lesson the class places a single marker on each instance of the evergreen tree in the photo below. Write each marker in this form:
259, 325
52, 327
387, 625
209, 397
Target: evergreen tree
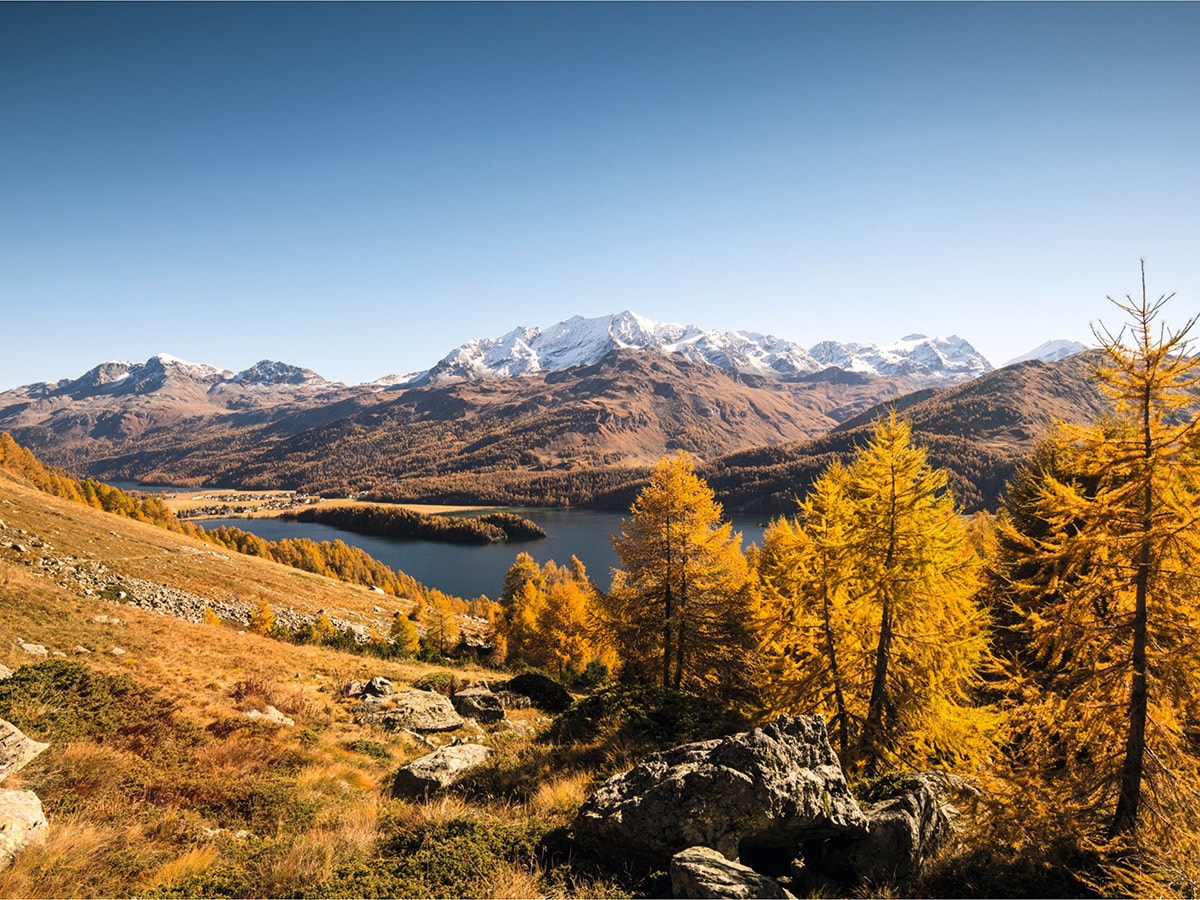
262, 620
442, 630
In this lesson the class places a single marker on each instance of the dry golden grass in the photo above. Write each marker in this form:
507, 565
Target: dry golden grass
251, 505
125, 824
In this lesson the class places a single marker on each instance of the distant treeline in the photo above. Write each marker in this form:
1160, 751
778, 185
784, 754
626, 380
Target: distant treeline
384, 521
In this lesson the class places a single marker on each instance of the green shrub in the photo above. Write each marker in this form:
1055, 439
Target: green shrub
645, 719
373, 749
445, 683
62, 701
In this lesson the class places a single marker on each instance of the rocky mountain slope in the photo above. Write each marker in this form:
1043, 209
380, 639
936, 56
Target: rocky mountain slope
979, 431
571, 413
625, 410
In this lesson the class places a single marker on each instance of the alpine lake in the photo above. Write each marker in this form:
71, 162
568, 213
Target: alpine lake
469, 570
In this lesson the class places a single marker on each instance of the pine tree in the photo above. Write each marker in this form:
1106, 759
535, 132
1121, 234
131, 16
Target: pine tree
1101, 556
868, 613
678, 612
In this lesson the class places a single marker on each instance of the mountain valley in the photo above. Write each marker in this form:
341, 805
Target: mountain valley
573, 414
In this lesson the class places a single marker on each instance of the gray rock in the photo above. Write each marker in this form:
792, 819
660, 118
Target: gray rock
22, 823
16, 750
909, 822
479, 704
513, 700
33, 649
271, 716
764, 791
437, 770
416, 710
701, 872
5, 672
378, 687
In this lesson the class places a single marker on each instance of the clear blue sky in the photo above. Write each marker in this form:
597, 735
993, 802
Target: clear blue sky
360, 188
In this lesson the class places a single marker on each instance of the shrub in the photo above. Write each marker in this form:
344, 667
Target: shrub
62, 701
645, 718
445, 683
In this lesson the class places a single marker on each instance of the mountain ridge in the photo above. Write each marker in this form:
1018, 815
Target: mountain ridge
584, 341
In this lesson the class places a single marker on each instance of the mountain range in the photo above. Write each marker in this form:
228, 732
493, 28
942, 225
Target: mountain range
580, 341
572, 413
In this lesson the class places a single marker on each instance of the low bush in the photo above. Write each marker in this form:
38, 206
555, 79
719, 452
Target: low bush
62, 701
644, 719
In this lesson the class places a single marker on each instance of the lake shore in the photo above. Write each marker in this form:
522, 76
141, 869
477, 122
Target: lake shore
198, 505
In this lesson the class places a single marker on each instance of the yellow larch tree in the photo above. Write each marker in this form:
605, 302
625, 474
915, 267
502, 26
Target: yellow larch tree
679, 610
868, 612
1100, 556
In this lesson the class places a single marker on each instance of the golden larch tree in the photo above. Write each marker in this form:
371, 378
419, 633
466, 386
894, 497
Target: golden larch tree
679, 610
1100, 551
868, 612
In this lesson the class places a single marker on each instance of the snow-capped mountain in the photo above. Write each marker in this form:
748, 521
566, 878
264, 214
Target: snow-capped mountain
582, 341
1051, 351
165, 374
271, 372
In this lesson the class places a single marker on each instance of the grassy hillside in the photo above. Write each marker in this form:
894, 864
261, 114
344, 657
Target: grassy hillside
156, 783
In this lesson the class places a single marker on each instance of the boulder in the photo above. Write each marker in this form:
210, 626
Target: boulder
513, 700
437, 770
378, 687
909, 821
757, 794
22, 823
416, 710
33, 649
545, 693
5, 672
701, 872
271, 716
479, 704
16, 750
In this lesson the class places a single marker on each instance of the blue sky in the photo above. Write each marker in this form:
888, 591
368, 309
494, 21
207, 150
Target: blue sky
360, 188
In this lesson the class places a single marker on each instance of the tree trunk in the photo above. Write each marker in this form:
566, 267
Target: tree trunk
1129, 799
680, 607
873, 736
835, 674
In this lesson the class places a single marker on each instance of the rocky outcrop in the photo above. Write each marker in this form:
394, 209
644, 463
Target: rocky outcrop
437, 770
378, 687
16, 750
759, 794
22, 823
93, 579
414, 710
479, 704
701, 872
909, 821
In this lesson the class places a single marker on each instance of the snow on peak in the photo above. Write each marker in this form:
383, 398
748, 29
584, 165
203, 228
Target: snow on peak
1051, 351
272, 372
582, 341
